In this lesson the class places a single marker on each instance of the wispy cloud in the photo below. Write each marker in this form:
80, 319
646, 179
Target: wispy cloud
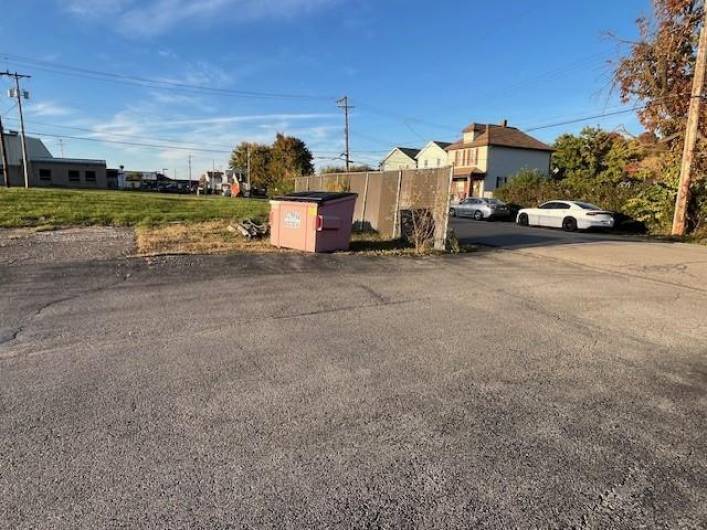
165, 14
47, 109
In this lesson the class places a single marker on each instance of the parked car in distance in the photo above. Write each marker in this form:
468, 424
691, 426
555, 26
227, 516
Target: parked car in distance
568, 215
480, 209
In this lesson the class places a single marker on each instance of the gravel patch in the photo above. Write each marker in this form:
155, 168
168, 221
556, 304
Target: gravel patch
69, 245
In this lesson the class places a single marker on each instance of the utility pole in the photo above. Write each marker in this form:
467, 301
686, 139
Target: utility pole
190, 172
693, 122
343, 103
3, 157
19, 95
61, 147
248, 171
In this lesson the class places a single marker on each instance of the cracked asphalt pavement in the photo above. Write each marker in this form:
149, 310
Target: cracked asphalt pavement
561, 387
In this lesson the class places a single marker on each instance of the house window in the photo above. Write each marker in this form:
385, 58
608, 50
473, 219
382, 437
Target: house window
427, 162
474, 156
458, 157
74, 175
45, 174
90, 176
439, 162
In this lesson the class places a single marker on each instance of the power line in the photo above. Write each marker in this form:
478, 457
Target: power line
154, 146
9, 109
150, 82
133, 144
602, 115
112, 134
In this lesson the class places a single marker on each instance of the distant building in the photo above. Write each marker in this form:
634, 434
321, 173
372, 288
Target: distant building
433, 155
46, 170
400, 158
489, 155
217, 181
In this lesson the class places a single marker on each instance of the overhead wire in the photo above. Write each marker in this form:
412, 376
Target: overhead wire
59, 68
156, 83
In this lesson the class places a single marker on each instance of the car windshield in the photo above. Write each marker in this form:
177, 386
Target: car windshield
587, 206
495, 201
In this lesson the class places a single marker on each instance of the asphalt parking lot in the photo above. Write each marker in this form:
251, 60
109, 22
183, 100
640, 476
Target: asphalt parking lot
506, 234
557, 386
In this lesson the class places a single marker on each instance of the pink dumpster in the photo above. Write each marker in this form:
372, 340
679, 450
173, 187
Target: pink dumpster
313, 221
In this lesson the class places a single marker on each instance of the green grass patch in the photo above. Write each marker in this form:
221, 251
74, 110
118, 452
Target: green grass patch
54, 207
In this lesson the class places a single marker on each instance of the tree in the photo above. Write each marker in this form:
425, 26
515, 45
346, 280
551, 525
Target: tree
658, 73
260, 156
594, 154
290, 158
659, 69
355, 168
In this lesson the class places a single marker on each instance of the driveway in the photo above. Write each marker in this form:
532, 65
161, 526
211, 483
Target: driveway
505, 234
494, 390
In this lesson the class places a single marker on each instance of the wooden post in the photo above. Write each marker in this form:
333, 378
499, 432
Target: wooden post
441, 241
693, 121
397, 222
365, 203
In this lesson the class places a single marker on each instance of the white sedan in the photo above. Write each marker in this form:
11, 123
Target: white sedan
568, 215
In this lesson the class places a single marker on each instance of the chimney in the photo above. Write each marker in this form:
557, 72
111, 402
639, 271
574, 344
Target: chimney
504, 123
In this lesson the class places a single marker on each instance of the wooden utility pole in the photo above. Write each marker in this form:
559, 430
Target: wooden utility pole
23, 140
189, 172
693, 122
343, 103
3, 157
248, 169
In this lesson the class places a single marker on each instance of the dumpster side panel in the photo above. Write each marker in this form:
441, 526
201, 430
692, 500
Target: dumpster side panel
290, 225
338, 236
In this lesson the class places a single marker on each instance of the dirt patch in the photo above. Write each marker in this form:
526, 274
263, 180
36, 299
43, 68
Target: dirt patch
218, 237
214, 237
67, 245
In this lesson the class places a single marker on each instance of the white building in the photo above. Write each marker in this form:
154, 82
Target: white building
433, 155
400, 158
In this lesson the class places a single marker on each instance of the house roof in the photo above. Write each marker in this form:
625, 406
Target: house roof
474, 173
441, 145
409, 152
501, 136
35, 148
76, 161
477, 127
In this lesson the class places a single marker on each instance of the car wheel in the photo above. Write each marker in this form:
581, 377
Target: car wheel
452, 212
523, 219
478, 216
569, 224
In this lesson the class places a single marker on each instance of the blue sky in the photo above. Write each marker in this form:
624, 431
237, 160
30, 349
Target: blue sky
415, 71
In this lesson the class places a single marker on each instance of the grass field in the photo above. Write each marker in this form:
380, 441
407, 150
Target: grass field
53, 207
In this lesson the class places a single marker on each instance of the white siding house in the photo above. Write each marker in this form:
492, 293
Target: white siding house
433, 155
400, 158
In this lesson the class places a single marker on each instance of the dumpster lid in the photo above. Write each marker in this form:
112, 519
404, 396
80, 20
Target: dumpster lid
315, 196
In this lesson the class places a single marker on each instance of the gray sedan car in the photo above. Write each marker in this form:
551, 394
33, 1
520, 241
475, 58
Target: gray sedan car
480, 209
